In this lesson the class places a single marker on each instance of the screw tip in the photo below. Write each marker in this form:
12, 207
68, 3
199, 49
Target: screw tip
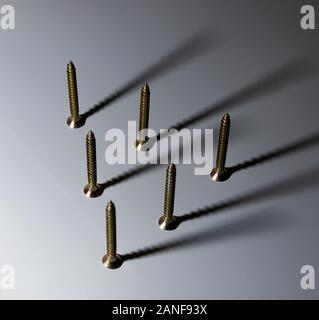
145, 87
171, 167
110, 206
226, 119
71, 64
90, 136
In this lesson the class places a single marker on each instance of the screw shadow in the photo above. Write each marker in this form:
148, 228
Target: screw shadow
251, 224
280, 152
194, 46
297, 69
298, 182
139, 170
257, 225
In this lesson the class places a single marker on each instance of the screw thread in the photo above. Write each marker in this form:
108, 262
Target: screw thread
223, 141
73, 90
110, 229
144, 111
170, 191
91, 158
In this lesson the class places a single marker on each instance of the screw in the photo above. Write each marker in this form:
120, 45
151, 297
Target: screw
75, 120
220, 172
168, 221
144, 117
92, 189
111, 260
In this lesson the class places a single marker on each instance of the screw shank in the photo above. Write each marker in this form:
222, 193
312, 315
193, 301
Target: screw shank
91, 159
73, 91
170, 192
144, 111
223, 141
110, 229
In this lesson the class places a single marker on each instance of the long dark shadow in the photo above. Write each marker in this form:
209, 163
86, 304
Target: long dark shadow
129, 174
256, 223
302, 181
276, 80
298, 183
188, 50
280, 152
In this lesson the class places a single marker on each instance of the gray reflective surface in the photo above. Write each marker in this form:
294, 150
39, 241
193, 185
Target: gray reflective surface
250, 59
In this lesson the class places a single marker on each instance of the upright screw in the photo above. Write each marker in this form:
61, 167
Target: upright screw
168, 221
75, 120
220, 172
92, 189
111, 260
144, 117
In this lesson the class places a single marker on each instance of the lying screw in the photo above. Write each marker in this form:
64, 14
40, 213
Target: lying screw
75, 120
144, 117
220, 172
92, 189
168, 221
111, 260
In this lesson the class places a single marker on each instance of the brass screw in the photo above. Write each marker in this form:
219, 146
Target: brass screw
220, 172
111, 260
144, 117
168, 221
92, 189
75, 120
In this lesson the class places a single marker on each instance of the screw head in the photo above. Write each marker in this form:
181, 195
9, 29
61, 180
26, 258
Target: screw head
112, 261
142, 145
75, 123
93, 192
219, 175
168, 224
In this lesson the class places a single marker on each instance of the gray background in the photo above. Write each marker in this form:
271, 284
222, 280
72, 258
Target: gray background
54, 236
